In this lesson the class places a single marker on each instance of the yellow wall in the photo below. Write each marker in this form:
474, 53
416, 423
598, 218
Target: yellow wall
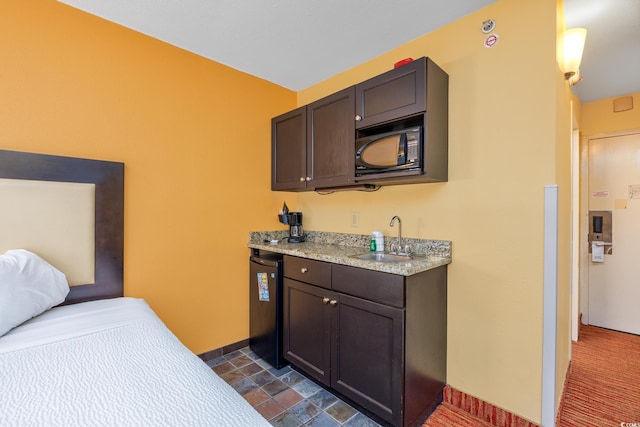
193, 135
507, 140
564, 126
598, 117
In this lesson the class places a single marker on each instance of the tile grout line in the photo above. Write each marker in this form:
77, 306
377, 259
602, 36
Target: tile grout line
285, 397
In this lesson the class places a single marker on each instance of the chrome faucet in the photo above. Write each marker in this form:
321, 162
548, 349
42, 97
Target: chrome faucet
398, 245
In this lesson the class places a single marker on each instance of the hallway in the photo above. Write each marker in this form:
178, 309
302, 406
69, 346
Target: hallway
604, 385
603, 389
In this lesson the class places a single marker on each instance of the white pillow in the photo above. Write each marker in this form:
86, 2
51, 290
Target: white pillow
28, 286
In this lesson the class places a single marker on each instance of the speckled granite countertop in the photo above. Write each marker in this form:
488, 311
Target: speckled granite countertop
339, 247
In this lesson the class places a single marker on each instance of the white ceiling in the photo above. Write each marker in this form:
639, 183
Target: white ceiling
298, 43
611, 59
293, 43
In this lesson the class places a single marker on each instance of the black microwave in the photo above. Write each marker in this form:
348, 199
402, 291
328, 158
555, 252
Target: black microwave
395, 151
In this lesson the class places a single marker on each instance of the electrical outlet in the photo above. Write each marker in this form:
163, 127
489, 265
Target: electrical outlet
355, 219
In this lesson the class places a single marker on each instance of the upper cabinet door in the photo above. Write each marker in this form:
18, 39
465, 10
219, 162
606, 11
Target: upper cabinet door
289, 150
331, 140
395, 94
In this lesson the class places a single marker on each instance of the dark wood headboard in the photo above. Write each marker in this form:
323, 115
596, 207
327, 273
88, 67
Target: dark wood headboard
108, 178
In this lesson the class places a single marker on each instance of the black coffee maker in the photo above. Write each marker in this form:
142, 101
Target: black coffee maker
294, 221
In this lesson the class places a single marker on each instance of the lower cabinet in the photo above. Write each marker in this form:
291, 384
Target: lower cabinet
366, 363
307, 329
384, 354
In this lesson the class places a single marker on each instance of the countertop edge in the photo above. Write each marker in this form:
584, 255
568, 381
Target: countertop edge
339, 254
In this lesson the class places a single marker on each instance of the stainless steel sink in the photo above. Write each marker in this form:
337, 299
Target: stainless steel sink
385, 257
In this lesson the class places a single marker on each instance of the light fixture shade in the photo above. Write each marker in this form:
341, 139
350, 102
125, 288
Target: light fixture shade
573, 47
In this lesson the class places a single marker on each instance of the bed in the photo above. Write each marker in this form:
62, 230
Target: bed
74, 350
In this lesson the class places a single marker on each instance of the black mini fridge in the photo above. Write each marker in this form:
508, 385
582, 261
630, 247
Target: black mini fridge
265, 307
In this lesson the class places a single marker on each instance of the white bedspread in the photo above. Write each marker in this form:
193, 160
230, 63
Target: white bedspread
112, 363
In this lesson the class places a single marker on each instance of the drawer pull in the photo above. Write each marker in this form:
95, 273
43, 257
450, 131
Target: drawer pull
325, 300
304, 270
333, 303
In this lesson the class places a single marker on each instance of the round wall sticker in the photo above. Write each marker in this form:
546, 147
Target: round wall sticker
491, 40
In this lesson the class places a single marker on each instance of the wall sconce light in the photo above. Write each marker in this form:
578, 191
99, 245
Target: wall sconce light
573, 47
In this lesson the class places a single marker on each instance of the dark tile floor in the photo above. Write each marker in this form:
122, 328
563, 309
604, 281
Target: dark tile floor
284, 396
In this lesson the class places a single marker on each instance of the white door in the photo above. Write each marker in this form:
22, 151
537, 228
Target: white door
614, 185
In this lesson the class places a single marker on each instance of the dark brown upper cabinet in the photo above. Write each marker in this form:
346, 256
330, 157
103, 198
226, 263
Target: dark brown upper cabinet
392, 95
313, 146
289, 150
331, 140
416, 94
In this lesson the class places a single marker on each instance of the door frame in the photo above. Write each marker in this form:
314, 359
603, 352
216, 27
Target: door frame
583, 307
575, 235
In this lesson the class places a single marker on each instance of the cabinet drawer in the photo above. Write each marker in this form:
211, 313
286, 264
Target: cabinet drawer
308, 270
385, 288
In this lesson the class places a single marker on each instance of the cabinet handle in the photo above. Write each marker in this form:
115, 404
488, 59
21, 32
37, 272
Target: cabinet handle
325, 300
308, 178
304, 270
358, 117
333, 303
302, 179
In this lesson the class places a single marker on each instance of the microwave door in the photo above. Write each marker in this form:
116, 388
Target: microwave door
381, 153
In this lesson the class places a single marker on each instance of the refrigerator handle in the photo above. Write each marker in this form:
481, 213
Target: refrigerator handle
265, 262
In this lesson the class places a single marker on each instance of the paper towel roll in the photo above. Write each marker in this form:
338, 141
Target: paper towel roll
597, 252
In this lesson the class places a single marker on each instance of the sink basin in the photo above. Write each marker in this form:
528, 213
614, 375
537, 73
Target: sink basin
384, 257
